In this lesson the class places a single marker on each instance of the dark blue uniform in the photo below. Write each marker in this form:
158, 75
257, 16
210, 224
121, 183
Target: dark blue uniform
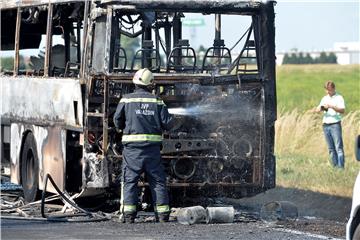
143, 117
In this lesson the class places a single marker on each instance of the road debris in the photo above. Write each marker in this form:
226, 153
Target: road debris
220, 214
191, 215
61, 208
279, 211
198, 214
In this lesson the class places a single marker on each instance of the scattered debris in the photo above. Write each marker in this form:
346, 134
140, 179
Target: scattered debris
60, 208
278, 211
191, 215
198, 214
220, 214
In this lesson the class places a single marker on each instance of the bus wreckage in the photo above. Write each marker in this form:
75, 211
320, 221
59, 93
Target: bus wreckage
57, 106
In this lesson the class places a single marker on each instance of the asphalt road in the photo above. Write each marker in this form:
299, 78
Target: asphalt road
247, 226
20, 229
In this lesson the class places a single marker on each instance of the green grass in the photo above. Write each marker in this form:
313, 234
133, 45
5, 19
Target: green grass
301, 86
302, 155
316, 174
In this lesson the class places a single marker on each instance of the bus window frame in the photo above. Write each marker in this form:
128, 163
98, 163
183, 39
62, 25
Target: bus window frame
48, 41
17, 42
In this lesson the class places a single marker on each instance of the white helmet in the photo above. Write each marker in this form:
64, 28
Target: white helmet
143, 77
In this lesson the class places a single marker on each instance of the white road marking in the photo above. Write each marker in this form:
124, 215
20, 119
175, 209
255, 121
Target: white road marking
306, 234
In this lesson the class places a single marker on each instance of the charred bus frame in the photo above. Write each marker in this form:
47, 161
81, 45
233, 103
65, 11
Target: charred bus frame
68, 132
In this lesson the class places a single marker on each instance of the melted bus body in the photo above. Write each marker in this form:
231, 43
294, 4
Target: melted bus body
58, 103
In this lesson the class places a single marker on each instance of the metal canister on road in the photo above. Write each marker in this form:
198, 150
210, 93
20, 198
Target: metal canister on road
278, 211
220, 214
191, 215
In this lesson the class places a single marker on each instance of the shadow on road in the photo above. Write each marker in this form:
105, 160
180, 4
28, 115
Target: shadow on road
309, 203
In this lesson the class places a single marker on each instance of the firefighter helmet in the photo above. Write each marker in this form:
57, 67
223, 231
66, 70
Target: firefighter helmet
143, 77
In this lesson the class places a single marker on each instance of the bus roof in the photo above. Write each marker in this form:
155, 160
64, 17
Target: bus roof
165, 5
191, 5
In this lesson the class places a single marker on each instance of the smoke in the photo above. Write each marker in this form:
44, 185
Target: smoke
231, 118
219, 108
197, 110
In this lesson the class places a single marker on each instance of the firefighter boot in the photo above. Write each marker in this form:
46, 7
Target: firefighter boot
162, 217
127, 217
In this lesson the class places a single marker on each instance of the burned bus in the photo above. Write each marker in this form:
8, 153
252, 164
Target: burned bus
66, 64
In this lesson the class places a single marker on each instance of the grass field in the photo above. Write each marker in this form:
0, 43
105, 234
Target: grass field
302, 155
301, 87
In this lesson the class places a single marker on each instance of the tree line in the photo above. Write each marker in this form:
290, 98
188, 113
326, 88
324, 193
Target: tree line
301, 58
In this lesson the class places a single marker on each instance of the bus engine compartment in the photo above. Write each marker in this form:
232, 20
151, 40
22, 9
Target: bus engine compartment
222, 144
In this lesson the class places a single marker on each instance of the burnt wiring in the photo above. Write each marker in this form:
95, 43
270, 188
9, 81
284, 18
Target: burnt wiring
240, 38
132, 24
26, 211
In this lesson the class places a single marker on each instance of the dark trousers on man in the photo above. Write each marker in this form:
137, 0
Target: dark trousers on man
137, 160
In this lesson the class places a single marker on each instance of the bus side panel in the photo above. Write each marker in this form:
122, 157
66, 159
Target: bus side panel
51, 142
17, 131
50, 149
42, 101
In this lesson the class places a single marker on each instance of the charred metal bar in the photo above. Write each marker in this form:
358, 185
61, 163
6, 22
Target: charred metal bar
108, 59
48, 40
116, 42
17, 42
167, 30
177, 30
191, 5
78, 42
172, 79
157, 39
67, 29
186, 145
146, 60
85, 37
204, 184
267, 33
105, 116
217, 32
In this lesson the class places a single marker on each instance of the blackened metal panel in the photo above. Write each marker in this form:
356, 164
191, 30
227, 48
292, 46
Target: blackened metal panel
267, 34
189, 5
98, 54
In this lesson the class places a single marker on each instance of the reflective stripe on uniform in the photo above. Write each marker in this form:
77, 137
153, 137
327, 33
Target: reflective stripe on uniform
162, 208
141, 137
129, 208
144, 100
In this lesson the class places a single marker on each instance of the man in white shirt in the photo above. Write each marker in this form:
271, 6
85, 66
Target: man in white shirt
333, 105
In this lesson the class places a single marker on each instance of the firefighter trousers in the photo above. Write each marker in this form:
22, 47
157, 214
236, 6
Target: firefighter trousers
137, 160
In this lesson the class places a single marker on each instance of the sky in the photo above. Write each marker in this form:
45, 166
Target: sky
305, 25
316, 25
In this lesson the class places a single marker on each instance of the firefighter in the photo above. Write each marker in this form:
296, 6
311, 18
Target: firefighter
142, 117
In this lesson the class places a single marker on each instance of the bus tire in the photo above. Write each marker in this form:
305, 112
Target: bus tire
30, 169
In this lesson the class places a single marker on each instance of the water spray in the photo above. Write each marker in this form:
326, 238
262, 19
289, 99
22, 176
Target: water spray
195, 110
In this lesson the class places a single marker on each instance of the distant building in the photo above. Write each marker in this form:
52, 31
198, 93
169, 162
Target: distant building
346, 53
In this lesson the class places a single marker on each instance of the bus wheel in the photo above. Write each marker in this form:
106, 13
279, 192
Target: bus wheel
30, 169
